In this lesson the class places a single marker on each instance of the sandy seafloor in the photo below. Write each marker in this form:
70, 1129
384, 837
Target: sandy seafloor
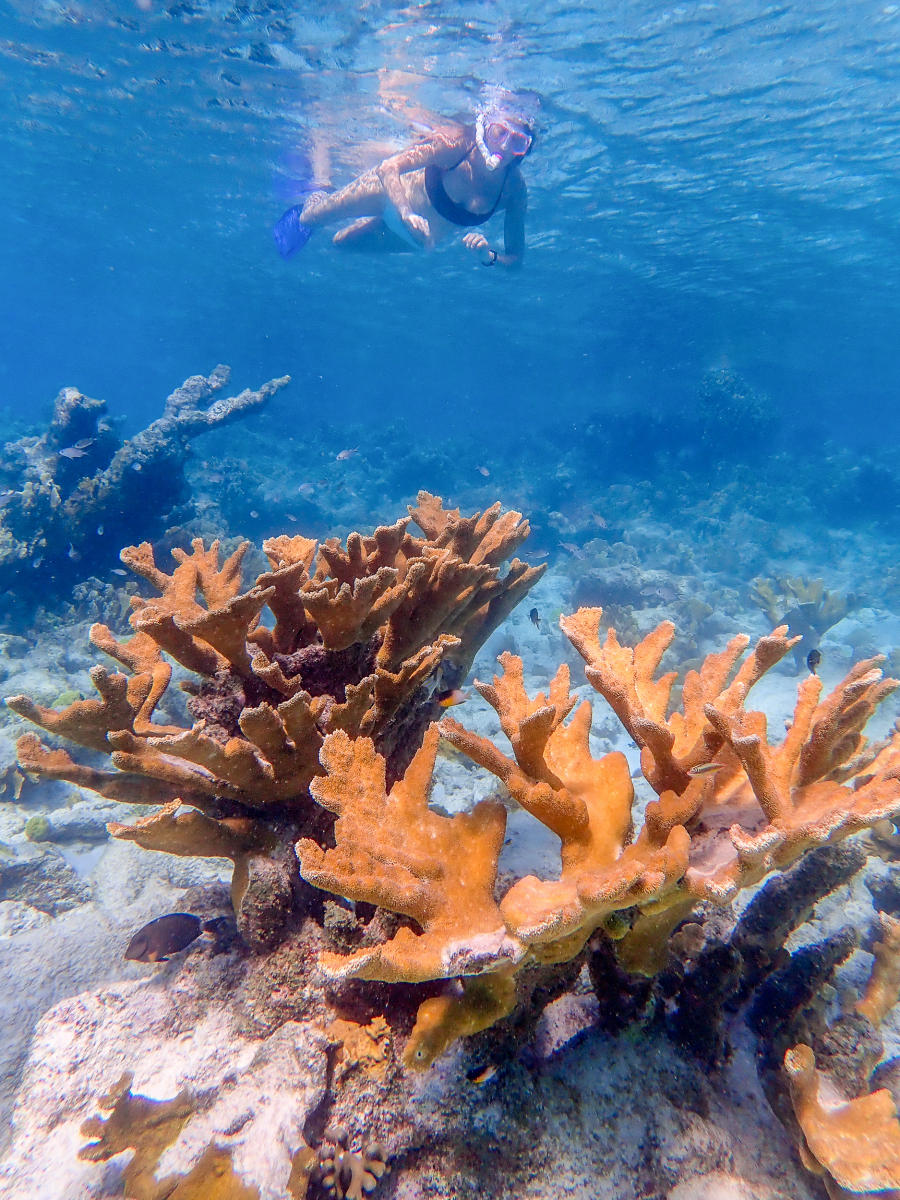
623, 1118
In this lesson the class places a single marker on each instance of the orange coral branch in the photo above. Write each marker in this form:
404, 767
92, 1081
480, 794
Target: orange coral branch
392, 850
856, 1141
585, 801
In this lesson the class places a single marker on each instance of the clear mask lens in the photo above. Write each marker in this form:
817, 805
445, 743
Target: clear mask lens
500, 139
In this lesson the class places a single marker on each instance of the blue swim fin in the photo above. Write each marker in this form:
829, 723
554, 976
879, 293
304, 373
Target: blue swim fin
290, 233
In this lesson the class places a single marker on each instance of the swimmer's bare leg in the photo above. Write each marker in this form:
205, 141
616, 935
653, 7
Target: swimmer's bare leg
363, 197
370, 234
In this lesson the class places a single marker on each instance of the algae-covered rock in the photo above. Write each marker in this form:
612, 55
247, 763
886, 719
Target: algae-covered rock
40, 877
83, 821
37, 828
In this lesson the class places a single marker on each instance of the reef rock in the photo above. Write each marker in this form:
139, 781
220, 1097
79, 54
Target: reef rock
72, 495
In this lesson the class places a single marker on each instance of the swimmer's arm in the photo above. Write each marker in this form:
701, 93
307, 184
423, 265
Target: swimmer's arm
515, 202
443, 148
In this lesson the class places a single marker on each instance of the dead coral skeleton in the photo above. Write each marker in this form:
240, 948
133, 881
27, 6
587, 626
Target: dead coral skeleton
78, 487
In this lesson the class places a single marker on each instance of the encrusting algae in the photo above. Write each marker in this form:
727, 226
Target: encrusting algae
315, 734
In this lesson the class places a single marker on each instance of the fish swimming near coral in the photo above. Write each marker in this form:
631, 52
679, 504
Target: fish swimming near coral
813, 659
73, 452
664, 593
164, 936
482, 1074
705, 769
452, 696
535, 618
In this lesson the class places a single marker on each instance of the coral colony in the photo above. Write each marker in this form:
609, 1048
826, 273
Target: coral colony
315, 732
79, 489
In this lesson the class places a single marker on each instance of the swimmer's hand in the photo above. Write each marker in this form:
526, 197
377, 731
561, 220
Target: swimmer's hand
416, 224
477, 241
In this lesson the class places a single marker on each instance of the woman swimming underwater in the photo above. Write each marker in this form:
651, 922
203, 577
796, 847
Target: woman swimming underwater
457, 178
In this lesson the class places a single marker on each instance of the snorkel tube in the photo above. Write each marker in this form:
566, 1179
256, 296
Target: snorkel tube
491, 161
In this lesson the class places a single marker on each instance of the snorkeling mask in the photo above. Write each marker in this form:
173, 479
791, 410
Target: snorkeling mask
498, 139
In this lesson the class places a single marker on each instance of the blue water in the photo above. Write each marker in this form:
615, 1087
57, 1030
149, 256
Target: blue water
713, 184
692, 381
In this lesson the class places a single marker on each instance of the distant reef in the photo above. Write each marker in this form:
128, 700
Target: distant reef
71, 495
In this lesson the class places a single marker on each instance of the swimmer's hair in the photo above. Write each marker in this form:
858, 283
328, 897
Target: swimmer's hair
523, 106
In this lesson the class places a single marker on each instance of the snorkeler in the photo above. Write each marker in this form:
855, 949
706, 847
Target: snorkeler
457, 178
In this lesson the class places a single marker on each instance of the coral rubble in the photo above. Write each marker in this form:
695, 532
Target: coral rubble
78, 489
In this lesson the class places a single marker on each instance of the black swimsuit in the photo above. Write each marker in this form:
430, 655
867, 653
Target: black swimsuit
455, 213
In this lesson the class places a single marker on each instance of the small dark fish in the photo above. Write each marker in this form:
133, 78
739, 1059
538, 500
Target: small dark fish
72, 452
661, 592
164, 936
535, 618
452, 696
813, 659
482, 1074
